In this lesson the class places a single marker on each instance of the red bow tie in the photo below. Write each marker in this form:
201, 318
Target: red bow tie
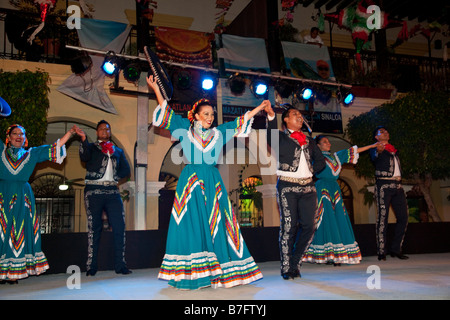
299, 136
107, 146
389, 148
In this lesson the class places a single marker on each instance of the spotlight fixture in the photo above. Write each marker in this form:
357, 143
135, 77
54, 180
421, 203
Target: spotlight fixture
80, 65
110, 65
208, 82
259, 87
132, 72
306, 93
347, 98
284, 88
183, 80
237, 84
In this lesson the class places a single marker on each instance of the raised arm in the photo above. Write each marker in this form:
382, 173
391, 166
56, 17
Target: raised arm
151, 81
362, 149
67, 136
263, 106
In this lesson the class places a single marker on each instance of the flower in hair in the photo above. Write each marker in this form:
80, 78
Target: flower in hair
191, 112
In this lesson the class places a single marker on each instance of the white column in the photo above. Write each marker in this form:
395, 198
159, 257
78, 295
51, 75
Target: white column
140, 210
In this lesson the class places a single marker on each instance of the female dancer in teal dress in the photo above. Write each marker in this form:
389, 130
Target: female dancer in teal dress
204, 247
334, 241
20, 235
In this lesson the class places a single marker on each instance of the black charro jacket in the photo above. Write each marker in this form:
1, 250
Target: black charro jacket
289, 150
96, 161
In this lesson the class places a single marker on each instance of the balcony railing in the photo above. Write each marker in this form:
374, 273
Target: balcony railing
405, 72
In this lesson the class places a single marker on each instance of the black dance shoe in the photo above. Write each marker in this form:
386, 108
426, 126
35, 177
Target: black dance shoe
381, 257
124, 270
286, 276
401, 256
296, 274
91, 272
291, 275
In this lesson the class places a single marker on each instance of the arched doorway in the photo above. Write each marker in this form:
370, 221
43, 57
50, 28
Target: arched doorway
250, 213
55, 207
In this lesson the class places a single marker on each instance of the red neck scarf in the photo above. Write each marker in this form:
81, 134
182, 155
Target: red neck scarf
299, 136
390, 148
107, 146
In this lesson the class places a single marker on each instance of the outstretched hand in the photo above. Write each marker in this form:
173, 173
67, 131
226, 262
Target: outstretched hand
380, 147
269, 110
79, 132
151, 81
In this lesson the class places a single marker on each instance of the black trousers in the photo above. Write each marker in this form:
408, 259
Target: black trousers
98, 199
390, 193
298, 214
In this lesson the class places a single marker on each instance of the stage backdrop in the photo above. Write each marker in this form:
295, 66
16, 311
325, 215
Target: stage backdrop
243, 53
306, 61
247, 54
190, 48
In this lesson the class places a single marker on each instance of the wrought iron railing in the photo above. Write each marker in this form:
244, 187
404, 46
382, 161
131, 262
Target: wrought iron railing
405, 72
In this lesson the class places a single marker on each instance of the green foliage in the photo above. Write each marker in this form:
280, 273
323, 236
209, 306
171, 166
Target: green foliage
419, 128
27, 94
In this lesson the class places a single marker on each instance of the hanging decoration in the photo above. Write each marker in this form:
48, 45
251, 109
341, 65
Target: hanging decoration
44, 7
223, 6
145, 7
355, 18
289, 7
434, 27
320, 19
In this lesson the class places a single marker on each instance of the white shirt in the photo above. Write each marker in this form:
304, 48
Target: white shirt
302, 172
308, 38
109, 174
396, 168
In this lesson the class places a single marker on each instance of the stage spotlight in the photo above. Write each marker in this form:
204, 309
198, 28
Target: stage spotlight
183, 80
259, 87
284, 89
208, 82
306, 93
110, 64
345, 97
80, 65
237, 84
132, 72
348, 98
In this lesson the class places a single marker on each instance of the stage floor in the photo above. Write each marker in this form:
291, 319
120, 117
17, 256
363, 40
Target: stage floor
422, 277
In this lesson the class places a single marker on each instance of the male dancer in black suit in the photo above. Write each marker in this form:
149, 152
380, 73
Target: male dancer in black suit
106, 164
298, 159
388, 191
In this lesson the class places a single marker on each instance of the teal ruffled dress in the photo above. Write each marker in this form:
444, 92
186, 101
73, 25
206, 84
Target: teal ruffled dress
334, 241
205, 247
20, 234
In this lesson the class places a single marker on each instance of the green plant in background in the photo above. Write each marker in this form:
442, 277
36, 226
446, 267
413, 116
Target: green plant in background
419, 128
27, 94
